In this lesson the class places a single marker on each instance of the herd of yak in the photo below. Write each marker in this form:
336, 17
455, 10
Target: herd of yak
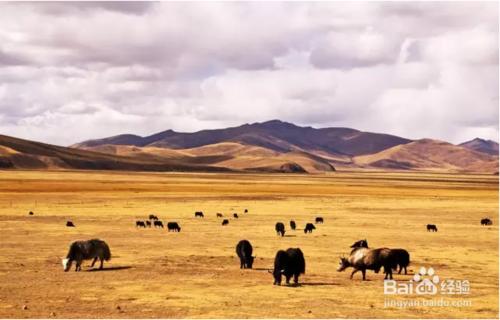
288, 263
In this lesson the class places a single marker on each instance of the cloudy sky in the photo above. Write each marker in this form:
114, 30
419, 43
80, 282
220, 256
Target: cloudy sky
76, 71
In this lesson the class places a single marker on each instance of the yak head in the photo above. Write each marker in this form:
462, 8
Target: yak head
343, 264
360, 244
277, 275
66, 264
250, 261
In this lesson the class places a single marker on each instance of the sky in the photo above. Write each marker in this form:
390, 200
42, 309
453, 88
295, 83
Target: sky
76, 71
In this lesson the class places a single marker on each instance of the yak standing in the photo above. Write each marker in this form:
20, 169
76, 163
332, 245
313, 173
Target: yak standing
244, 251
85, 250
432, 227
362, 259
280, 228
288, 263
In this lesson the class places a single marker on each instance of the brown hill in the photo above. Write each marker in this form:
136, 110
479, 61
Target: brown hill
274, 135
24, 154
231, 155
427, 154
480, 145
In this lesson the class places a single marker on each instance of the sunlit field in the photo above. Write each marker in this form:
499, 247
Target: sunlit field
196, 273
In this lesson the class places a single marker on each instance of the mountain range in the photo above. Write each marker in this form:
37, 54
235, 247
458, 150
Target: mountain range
272, 146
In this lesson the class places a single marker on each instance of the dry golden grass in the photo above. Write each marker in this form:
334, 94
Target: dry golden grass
196, 274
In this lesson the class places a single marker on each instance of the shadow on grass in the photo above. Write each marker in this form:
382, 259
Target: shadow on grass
289, 235
312, 284
261, 269
110, 269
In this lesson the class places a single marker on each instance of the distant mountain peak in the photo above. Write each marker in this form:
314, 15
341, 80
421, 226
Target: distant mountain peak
481, 145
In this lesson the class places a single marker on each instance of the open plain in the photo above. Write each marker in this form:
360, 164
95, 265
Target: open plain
196, 274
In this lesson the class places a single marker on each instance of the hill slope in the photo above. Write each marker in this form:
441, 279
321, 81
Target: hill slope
231, 155
24, 154
427, 154
481, 145
273, 135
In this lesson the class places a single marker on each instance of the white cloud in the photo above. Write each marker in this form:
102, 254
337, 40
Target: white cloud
91, 70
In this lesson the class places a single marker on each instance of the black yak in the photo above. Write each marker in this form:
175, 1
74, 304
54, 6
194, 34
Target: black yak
280, 228
235, 215
486, 222
173, 226
360, 244
198, 214
319, 220
219, 215
148, 223
70, 224
246, 211
244, 251
309, 228
225, 222
292, 225
288, 263
432, 227
401, 258
158, 223
368, 259
153, 217
31, 213
85, 250
139, 224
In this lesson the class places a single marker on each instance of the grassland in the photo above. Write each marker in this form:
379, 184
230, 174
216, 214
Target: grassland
196, 273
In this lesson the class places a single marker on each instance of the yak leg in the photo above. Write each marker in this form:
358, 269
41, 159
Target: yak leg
405, 271
400, 269
363, 271
102, 263
388, 272
287, 279
295, 278
93, 262
354, 271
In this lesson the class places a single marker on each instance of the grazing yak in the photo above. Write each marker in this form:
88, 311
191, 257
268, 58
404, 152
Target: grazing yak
319, 220
198, 214
153, 217
235, 215
148, 223
158, 223
400, 257
246, 211
173, 226
85, 250
139, 224
292, 225
280, 228
31, 213
225, 222
288, 263
244, 251
362, 259
70, 224
309, 228
432, 227
486, 222
219, 215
